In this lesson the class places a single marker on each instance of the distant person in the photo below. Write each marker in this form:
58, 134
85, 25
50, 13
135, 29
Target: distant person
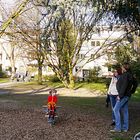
124, 86
26, 74
112, 91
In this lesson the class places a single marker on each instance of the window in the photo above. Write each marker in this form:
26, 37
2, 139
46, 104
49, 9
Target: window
98, 43
92, 43
86, 73
81, 56
95, 43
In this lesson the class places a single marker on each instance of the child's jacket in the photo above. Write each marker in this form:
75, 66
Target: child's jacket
52, 98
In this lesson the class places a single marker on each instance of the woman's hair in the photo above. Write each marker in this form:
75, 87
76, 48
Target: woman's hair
118, 70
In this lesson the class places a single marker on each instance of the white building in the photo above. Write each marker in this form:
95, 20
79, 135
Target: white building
89, 48
10, 56
98, 41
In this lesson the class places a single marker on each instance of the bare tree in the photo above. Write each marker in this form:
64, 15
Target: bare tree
28, 29
23, 30
66, 25
8, 38
13, 16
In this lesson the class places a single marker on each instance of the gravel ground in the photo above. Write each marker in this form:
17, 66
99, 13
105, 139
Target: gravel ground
29, 123
18, 123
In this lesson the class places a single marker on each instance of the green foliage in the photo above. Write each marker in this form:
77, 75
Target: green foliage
135, 66
136, 95
65, 47
124, 53
70, 24
127, 54
3, 74
4, 80
128, 12
131, 9
9, 69
92, 86
51, 78
94, 74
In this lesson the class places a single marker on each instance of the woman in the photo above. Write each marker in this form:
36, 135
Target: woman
113, 93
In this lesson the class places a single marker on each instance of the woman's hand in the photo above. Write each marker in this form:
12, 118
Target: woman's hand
118, 98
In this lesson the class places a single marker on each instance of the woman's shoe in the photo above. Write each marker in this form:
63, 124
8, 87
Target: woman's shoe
124, 130
114, 130
113, 123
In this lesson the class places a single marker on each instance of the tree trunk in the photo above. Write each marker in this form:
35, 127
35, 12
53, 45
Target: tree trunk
40, 73
71, 80
12, 61
68, 82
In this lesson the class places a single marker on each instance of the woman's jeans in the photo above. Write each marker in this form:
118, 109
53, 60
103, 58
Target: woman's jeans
113, 99
121, 107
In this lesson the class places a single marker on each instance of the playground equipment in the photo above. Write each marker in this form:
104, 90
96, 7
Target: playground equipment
50, 112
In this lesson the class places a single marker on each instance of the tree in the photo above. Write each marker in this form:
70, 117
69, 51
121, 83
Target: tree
29, 32
66, 39
67, 25
124, 52
13, 16
9, 42
128, 12
135, 66
123, 12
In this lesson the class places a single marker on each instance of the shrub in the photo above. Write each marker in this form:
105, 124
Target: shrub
3, 74
51, 78
94, 74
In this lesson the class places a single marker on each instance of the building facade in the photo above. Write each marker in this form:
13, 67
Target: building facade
92, 54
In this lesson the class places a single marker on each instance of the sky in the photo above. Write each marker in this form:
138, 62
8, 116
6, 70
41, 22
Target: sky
8, 4
7, 1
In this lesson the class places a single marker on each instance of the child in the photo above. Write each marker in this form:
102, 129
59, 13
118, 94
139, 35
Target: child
51, 101
52, 96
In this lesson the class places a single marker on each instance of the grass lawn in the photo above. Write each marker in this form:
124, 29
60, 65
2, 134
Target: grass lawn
136, 95
92, 86
4, 80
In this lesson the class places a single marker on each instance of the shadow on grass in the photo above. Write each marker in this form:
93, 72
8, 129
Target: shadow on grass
24, 88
